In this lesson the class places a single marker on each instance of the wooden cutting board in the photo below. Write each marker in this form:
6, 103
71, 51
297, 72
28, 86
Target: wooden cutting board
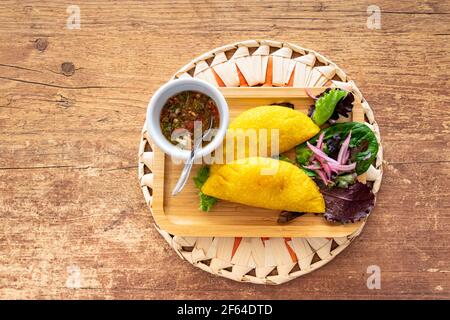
180, 215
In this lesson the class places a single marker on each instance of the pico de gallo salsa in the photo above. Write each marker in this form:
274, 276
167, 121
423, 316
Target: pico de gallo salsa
185, 110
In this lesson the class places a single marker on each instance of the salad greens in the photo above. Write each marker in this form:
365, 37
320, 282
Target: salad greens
206, 202
343, 205
345, 180
343, 107
363, 144
325, 105
309, 172
303, 154
335, 157
348, 205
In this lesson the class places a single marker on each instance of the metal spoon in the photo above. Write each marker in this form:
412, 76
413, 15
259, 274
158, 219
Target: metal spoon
188, 165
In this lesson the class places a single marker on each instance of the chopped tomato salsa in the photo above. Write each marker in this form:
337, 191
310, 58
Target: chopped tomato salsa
185, 110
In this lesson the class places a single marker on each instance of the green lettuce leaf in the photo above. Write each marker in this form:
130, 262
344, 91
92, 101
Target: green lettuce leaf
201, 177
303, 154
325, 105
309, 172
206, 202
345, 180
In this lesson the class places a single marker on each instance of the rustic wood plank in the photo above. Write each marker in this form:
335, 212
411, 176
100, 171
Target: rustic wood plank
69, 196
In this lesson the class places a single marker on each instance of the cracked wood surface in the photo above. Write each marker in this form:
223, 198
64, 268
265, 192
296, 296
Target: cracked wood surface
73, 221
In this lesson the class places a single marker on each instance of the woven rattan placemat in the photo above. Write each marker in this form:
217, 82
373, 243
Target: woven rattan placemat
261, 260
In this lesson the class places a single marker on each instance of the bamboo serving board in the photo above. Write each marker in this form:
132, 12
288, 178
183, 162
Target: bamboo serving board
181, 216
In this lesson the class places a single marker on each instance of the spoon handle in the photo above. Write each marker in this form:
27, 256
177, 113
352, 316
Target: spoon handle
185, 173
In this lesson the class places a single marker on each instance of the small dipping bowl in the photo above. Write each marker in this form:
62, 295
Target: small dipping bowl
172, 88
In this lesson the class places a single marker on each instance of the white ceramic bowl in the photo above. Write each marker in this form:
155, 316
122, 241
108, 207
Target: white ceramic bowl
170, 89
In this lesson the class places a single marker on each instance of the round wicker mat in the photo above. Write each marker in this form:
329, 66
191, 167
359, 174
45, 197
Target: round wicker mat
261, 260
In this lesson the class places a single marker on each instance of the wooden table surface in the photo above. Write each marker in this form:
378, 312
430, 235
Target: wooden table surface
73, 102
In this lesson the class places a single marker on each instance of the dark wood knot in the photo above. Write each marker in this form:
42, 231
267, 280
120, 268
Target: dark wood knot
41, 44
67, 69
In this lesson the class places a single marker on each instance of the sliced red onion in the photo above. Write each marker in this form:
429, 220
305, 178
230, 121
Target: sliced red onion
322, 176
333, 169
346, 156
327, 169
344, 148
343, 167
320, 154
320, 141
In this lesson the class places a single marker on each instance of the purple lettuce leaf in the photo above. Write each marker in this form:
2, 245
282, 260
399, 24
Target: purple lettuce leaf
343, 107
350, 204
333, 145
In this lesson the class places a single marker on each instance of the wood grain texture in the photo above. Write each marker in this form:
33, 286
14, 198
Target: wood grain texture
70, 202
